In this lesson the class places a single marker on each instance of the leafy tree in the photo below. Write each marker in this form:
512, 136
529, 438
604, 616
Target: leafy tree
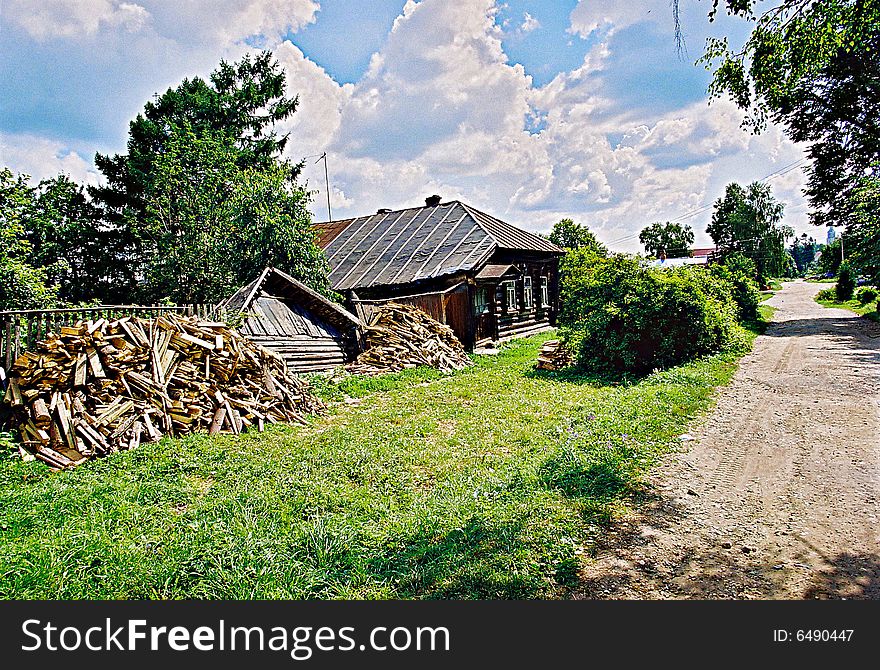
22, 286
211, 225
570, 235
863, 234
830, 258
803, 251
672, 238
68, 238
747, 220
237, 108
814, 66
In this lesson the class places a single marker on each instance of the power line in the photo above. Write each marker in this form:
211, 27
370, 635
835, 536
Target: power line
785, 169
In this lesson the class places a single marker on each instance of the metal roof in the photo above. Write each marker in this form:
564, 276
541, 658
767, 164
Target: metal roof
419, 243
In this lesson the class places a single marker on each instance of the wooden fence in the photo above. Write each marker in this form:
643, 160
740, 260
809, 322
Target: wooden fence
21, 329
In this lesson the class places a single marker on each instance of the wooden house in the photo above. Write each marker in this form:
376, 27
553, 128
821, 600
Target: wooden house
488, 280
284, 315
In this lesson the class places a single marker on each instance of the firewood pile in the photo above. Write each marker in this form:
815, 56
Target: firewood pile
554, 356
104, 386
401, 336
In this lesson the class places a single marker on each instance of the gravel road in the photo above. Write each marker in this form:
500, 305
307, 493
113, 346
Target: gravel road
778, 494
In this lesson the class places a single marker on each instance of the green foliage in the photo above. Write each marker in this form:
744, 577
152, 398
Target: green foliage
621, 316
22, 285
814, 67
866, 294
194, 155
829, 261
748, 221
738, 272
803, 252
846, 283
863, 231
673, 239
410, 493
827, 294
211, 226
570, 235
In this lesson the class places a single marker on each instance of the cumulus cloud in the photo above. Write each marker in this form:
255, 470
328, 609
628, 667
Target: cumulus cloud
442, 109
608, 15
69, 18
529, 23
213, 19
41, 158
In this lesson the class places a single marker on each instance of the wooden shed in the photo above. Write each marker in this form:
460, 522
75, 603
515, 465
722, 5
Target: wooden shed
486, 279
284, 315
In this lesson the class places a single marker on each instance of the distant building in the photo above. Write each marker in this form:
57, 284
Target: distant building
832, 235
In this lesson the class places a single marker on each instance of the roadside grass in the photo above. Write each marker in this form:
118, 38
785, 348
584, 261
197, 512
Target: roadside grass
824, 280
869, 311
493, 482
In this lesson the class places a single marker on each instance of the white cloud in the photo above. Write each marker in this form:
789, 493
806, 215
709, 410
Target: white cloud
441, 109
42, 158
71, 18
217, 20
592, 15
529, 23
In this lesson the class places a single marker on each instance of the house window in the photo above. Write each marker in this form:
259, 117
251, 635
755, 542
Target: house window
481, 301
528, 297
545, 292
510, 295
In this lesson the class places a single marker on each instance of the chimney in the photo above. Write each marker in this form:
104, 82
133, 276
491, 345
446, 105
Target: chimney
384, 210
432, 201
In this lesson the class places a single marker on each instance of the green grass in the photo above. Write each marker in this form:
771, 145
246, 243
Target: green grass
494, 482
824, 280
868, 311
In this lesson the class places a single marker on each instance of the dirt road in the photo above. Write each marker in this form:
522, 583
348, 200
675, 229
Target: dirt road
778, 495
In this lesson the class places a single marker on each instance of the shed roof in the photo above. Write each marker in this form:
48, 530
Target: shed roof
419, 243
280, 284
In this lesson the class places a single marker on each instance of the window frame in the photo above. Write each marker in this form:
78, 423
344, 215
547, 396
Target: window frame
510, 290
545, 291
528, 293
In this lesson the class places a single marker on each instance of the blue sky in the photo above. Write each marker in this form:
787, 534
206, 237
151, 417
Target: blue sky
533, 111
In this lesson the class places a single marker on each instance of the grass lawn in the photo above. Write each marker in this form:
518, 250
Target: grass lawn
493, 482
869, 310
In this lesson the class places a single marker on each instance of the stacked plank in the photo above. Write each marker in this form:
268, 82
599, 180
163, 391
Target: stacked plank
102, 386
553, 356
402, 336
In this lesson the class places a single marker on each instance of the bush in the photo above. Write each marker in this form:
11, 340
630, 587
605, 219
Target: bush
826, 294
866, 294
846, 283
739, 272
620, 316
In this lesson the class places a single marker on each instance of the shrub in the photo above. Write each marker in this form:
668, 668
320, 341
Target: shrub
826, 294
846, 283
866, 294
619, 315
739, 272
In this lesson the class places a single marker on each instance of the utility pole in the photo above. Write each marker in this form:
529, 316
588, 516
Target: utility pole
327, 184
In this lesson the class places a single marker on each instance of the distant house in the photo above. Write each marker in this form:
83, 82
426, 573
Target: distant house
284, 315
695, 257
485, 278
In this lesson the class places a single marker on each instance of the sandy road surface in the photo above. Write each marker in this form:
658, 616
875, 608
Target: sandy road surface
778, 495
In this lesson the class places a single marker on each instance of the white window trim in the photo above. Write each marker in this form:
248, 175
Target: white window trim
545, 291
528, 293
509, 285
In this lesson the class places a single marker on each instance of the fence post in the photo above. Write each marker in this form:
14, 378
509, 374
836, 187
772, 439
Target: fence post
7, 337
